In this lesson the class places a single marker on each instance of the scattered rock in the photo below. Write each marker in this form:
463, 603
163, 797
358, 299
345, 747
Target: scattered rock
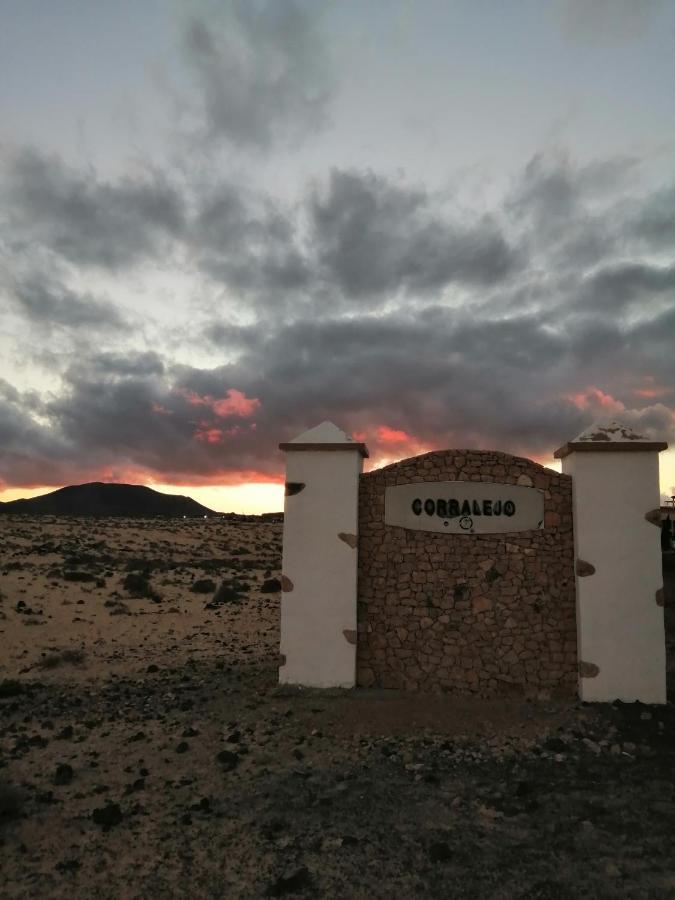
10, 687
290, 882
64, 774
108, 816
270, 586
440, 851
11, 801
68, 865
228, 759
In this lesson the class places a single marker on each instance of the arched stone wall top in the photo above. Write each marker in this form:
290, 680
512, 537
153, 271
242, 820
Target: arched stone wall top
485, 613
469, 465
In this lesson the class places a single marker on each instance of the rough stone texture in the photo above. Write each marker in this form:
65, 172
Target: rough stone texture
584, 569
286, 584
588, 670
654, 517
487, 614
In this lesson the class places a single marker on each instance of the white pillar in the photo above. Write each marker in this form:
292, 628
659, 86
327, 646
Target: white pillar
620, 632
320, 555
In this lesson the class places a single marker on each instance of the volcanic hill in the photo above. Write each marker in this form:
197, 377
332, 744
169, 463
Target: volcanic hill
100, 499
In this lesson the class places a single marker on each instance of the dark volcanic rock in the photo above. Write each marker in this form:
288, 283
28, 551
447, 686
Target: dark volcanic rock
228, 759
440, 851
107, 816
11, 801
9, 687
290, 882
64, 774
270, 586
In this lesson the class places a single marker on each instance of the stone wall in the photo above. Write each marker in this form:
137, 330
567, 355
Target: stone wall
488, 614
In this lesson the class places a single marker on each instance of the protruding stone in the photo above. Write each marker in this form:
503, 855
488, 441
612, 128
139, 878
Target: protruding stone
584, 568
350, 635
350, 539
660, 597
292, 488
654, 517
286, 584
281, 661
588, 670
524, 481
481, 604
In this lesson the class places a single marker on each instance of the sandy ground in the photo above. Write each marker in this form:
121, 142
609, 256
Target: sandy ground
146, 750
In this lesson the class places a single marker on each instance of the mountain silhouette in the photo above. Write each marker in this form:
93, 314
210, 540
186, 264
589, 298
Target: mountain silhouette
101, 499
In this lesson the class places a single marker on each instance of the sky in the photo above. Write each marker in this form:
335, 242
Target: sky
437, 223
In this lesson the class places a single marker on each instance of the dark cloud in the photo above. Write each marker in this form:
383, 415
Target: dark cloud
47, 305
249, 244
359, 239
373, 236
30, 449
620, 285
653, 220
543, 342
84, 220
261, 69
439, 378
567, 213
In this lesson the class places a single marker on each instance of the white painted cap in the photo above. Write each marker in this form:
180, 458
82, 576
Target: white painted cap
325, 433
610, 436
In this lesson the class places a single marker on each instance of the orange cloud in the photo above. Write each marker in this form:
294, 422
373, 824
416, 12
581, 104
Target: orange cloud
209, 435
595, 400
651, 393
235, 403
388, 435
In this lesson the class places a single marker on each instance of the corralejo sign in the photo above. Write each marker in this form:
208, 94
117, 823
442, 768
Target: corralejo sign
464, 507
532, 588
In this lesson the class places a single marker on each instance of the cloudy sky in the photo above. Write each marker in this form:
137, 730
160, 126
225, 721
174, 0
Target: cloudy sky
439, 223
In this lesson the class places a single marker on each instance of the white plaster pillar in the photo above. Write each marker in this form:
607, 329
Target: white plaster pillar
320, 555
620, 632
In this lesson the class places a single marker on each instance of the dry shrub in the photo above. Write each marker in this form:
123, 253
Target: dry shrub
69, 656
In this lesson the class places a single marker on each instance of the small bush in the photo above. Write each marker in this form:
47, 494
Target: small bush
228, 592
203, 586
73, 657
138, 586
78, 576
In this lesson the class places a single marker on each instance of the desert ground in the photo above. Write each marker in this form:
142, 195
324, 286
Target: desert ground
147, 751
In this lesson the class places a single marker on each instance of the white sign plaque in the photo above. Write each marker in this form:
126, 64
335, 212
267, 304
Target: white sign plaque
464, 507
